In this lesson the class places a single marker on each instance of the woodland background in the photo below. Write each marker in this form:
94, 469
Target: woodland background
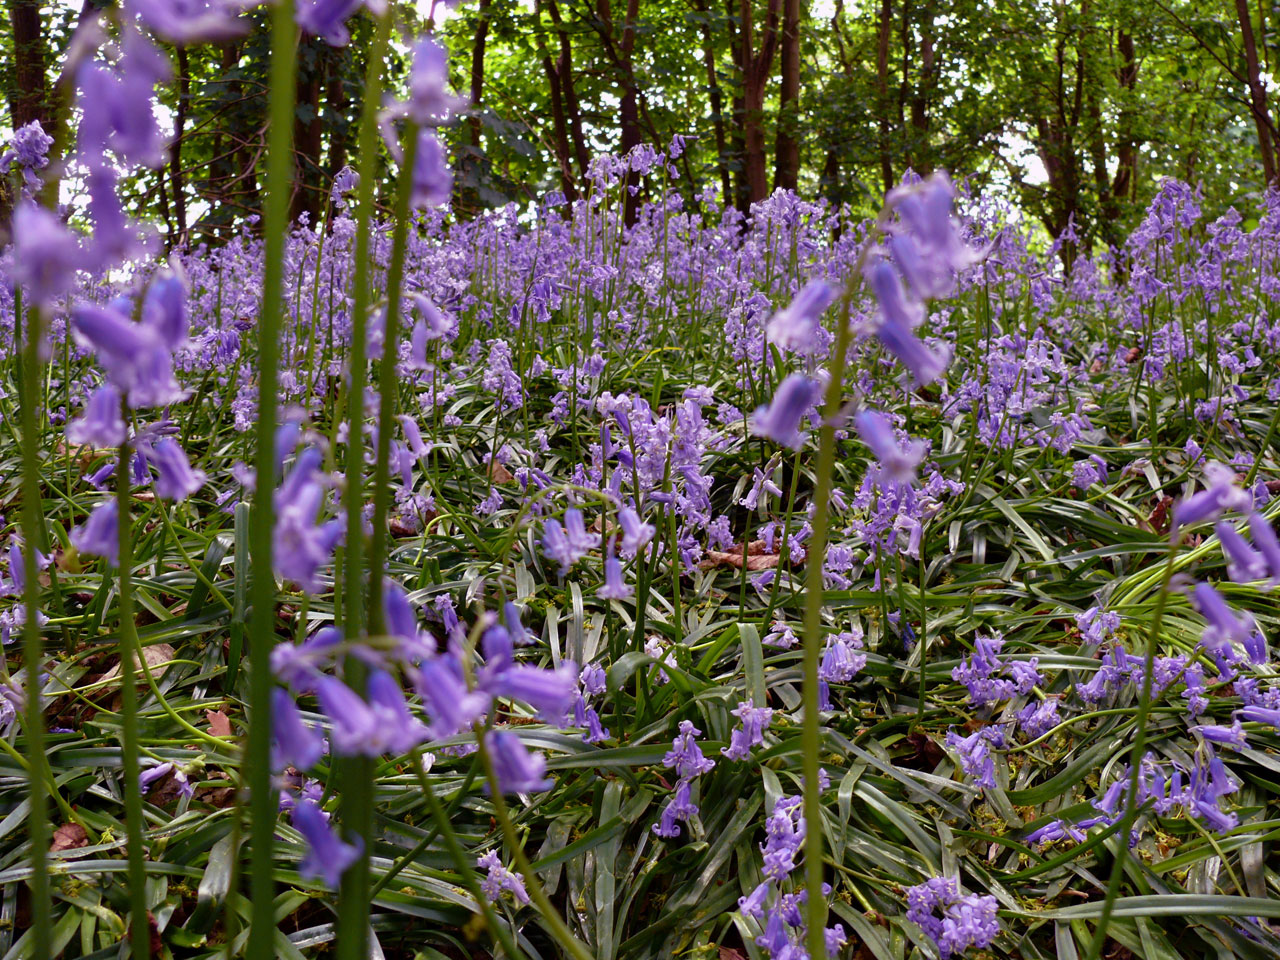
1074, 109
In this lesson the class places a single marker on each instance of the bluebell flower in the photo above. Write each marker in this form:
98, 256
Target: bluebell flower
1223, 624
176, 479
899, 463
300, 664
1220, 495
432, 179
974, 752
443, 689
679, 809
549, 692
685, 756
755, 720
191, 22
635, 535
796, 326
517, 769
99, 535
1233, 737
780, 420
46, 254
327, 19
498, 878
294, 742
101, 425
954, 922
615, 586
327, 856
1244, 563
1096, 625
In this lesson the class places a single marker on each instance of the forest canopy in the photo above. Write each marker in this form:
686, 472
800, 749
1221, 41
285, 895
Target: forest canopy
1074, 111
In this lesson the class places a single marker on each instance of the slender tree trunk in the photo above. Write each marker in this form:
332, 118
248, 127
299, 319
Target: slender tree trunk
787, 143
713, 94
28, 97
737, 131
308, 133
1127, 149
336, 105
573, 113
477, 71
560, 128
1257, 93
175, 148
757, 67
922, 93
884, 34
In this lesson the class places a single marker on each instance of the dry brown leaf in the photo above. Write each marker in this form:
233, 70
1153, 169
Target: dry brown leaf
69, 836
219, 723
155, 655
498, 473
729, 953
757, 558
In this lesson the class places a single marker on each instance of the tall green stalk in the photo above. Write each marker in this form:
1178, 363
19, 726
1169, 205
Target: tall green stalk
387, 382
356, 773
810, 736
1135, 758
33, 652
262, 796
130, 656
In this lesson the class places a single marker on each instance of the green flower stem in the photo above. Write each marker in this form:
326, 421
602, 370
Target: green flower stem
815, 556
139, 934
356, 773
459, 856
32, 647
1135, 761
263, 810
563, 935
388, 386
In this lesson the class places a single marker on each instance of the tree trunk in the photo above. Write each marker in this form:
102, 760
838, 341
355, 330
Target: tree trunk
713, 94
308, 133
921, 94
756, 67
28, 99
477, 71
560, 129
787, 143
1257, 94
175, 148
737, 131
573, 113
884, 35
1122, 188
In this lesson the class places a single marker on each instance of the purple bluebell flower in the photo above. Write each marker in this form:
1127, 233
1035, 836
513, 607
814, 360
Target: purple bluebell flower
1264, 539
974, 752
190, 22
99, 535
549, 692
755, 720
432, 179
154, 774
101, 424
796, 326
301, 546
1244, 563
780, 420
679, 809
46, 254
1223, 624
443, 689
1096, 625
117, 104
327, 856
327, 19
498, 878
781, 636
299, 665
355, 728
1220, 495
897, 462
898, 319
615, 586
1260, 714
516, 769
954, 922
176, 480
29, 152
293, 741
399, 730
430, 103
137, 357
1038, 718
685, 756
1232, 737
635, 535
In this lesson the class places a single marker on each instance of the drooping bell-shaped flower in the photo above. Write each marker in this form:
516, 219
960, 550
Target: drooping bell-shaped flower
780, 420
101, 424
327, 856
99, 535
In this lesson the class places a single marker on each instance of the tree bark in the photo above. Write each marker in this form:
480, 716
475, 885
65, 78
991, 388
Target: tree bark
787, 143
921, 94
756, 67
1123, 186
308, 133
477, 71
714, 95
175, 148
573, 112
1257, 94
884, 34
28, 97
737, 131
559, 127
